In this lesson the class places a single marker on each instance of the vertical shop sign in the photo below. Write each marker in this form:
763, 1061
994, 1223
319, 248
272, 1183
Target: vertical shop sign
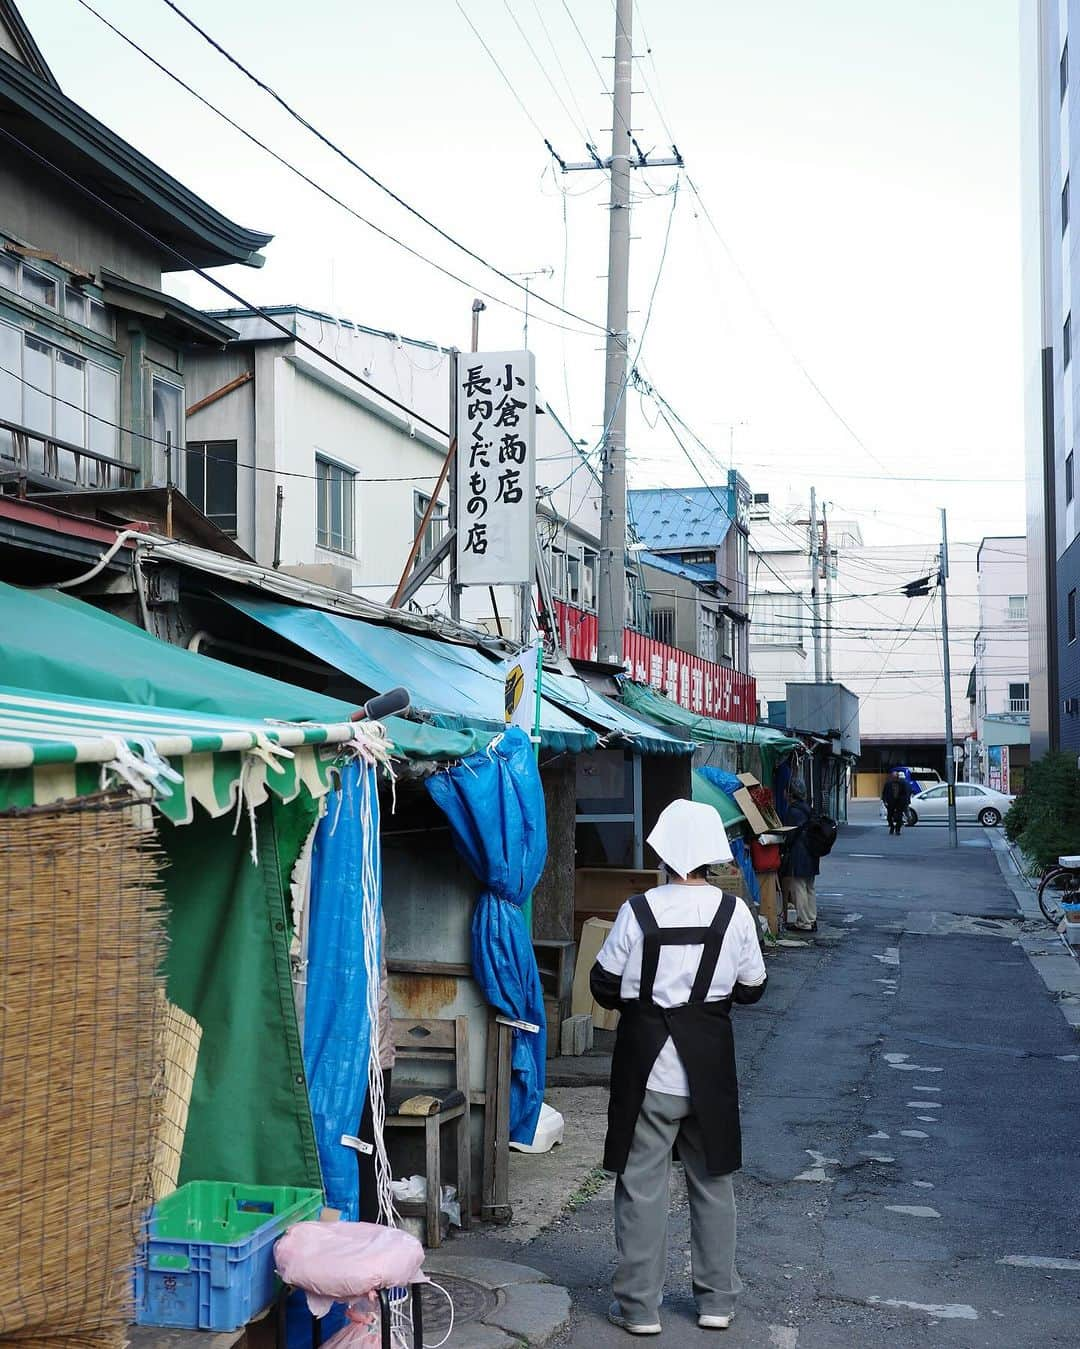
496, 468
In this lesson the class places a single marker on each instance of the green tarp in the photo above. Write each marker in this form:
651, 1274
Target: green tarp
52, 643
451, 684
615, 722
228, 967
703, 790
772, 745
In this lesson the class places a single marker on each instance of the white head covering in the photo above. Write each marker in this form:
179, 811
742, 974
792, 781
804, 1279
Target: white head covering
688, 835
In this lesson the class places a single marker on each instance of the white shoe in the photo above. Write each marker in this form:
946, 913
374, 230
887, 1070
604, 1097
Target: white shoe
616, 1318
715, 1322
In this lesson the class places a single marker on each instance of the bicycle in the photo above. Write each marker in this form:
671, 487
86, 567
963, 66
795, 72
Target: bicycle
1063, 879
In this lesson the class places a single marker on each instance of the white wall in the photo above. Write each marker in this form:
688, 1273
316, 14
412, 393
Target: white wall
300, 407
1002, 658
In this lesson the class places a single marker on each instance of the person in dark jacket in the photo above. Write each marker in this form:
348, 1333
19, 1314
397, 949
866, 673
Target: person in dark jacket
799, 869
896, 795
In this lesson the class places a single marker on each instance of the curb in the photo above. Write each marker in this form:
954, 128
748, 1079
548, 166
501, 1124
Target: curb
529, 1310
1053, 961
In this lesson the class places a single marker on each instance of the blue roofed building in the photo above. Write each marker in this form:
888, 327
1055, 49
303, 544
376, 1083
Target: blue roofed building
689, 586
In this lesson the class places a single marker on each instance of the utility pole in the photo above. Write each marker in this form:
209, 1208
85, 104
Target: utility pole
814, 577
828, 591
626, 154
950, 758
611, 602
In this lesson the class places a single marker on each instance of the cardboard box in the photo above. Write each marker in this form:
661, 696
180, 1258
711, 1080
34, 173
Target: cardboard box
760, 822
771, 901
594, 933
600, 892
728, 876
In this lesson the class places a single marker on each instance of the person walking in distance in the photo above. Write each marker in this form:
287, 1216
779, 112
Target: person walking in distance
801, 864
675, 961
896, 794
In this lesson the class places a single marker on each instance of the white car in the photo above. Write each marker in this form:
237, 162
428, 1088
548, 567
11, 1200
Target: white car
972, 803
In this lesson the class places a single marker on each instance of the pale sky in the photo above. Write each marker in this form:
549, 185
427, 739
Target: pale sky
859, 158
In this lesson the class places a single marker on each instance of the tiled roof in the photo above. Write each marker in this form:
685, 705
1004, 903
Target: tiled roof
671, 518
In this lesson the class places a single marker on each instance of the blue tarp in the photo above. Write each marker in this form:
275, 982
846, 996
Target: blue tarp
337, 1030
727, 782
495, 805
573, 695
453, 686
741, 854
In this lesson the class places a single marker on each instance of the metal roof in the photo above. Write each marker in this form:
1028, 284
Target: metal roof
669, 519
690, 571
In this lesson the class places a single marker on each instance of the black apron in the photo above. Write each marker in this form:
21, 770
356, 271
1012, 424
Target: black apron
702, 1034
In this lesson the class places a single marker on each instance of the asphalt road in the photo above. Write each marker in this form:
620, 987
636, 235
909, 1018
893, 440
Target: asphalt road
910, 1102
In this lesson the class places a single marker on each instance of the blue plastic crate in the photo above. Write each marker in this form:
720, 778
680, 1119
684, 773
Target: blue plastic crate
207, 1261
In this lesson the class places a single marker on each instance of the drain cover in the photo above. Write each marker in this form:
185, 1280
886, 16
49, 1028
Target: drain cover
472, 1302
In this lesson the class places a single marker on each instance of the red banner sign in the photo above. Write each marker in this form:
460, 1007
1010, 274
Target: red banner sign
702, 686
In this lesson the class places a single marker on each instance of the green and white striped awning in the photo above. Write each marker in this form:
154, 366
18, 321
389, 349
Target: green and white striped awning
53, 748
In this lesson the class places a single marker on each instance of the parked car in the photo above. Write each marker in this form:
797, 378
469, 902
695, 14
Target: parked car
972, 803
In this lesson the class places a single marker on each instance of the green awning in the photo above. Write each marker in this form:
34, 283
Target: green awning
612, 720
701, 789
452, 685
772, 744
55, 647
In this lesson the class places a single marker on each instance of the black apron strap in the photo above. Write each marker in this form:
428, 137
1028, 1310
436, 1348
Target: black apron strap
714, 941
650, 954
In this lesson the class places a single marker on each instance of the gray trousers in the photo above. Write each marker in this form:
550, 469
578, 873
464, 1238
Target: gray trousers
641, 1215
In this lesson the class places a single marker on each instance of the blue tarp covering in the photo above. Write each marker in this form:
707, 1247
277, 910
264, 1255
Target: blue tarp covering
337, 1031
495, 805
452, 686
741, 854
727, 782
612, 719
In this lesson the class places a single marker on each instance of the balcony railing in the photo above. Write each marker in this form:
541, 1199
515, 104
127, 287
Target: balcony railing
26, 455
1019, 705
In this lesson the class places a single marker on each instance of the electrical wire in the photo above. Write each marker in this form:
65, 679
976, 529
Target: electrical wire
505, 77
315, 184
366, 173
583, 124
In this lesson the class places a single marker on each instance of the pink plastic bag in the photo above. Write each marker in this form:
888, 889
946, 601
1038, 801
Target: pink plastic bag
343, 1262
364, 1328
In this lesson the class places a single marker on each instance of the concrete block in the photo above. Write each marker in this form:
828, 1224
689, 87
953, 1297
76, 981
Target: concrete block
577, 1035
534, 1312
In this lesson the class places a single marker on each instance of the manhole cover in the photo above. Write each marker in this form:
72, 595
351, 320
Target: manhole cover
472, 1302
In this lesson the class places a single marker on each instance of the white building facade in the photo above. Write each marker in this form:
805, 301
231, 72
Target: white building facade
999, 688
316, 473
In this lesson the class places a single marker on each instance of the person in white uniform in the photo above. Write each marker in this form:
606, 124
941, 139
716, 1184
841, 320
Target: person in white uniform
674, 962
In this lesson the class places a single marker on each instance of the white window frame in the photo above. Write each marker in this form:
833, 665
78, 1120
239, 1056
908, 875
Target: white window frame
323, 533
1017, 611
436, 526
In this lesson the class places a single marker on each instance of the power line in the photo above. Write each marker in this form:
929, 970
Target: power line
583, 126
505, 77
312, 182
366, 173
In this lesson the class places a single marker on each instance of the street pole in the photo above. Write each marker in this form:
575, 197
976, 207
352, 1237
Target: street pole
828, 592
814, 569
611, 601
950, 760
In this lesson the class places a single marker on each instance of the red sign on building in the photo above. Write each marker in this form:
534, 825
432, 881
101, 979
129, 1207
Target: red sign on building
701, 686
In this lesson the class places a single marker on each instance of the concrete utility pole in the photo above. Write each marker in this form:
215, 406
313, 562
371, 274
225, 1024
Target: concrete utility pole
828, 591
815, 569
611, 601
950, 758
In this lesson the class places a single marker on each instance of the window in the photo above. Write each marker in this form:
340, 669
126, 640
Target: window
933, 793
701, 558
58, 394
1017, 608
1065, 205
1019, 698
1070, 481
38, 287
709, 622
335, 489
742, 555
1072, 615
558, 572
74, 305
9, 271
1063, 70
211, 480
966, 789
777, 620
590, 562
573, 577
662, 625
100, 319
168, 431
436, 527
1066, 339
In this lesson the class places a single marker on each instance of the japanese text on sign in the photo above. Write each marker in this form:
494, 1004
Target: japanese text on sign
496, 467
